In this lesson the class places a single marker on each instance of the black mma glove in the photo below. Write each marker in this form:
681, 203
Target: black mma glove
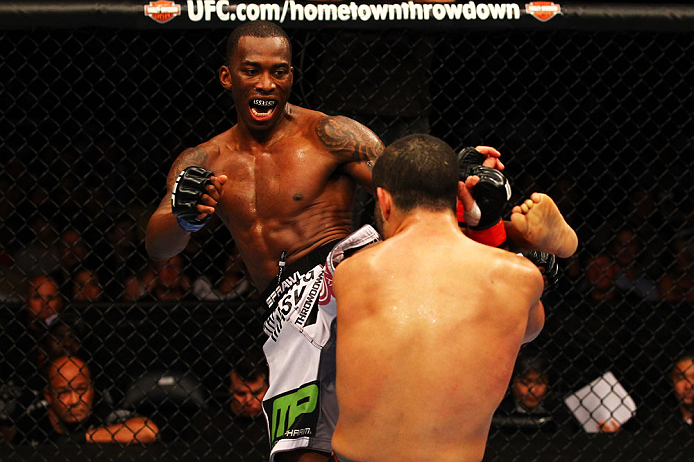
468, 158
186, 194
547, 264
491, 193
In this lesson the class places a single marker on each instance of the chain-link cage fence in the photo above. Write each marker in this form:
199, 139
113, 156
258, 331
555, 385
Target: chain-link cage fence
92, 119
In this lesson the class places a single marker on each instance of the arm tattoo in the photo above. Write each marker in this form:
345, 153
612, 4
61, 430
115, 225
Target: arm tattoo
191, 156
340, 134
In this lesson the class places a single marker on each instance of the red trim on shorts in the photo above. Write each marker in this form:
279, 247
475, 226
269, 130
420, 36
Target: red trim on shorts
494, 236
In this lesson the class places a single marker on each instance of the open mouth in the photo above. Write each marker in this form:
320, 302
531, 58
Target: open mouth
262, 108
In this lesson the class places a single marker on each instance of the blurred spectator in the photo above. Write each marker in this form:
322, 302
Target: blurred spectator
43, 302
86, 286
237, 423
530, 383
631, 276
208, 249
601, 274
672, 416
648, 217
124, 240
234, 283
68, 334
139, 286
526, 407
248, 382
122, 254
683, 387
73, 251
163, 281
171, 283
64, 336
72, 411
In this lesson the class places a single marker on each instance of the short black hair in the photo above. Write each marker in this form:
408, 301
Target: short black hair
419, 171
686, 355
251, 366
531, 360
254, 29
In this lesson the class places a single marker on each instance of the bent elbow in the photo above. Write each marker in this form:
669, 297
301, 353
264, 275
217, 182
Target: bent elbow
151, 248
164, 238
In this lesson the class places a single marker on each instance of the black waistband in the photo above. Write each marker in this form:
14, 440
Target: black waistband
303, 264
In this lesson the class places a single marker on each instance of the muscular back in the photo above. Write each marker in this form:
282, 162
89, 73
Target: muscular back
429, 326
291, 191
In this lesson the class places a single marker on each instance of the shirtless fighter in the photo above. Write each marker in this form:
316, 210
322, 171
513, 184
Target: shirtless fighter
429, 322
282, 180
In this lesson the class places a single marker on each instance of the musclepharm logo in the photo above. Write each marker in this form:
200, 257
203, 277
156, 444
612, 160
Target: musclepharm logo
162, 11
293, 415
543, 11
224, 10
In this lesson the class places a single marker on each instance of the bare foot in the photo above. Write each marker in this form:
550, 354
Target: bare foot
542, 226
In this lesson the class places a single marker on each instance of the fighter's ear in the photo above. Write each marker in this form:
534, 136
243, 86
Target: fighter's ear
385, 202
225, 77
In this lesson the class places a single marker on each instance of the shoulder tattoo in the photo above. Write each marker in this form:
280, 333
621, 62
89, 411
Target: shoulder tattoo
192, 156
340, 134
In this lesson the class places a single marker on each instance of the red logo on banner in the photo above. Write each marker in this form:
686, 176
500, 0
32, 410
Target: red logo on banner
162, 11
543, 11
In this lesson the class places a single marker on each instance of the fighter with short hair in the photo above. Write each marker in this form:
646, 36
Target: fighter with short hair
282, 180
429, 322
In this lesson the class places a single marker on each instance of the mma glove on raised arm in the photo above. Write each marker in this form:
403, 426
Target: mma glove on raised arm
186, 195
547, 264
491, 193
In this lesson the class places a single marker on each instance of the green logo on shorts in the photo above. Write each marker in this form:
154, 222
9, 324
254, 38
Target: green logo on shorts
292, 414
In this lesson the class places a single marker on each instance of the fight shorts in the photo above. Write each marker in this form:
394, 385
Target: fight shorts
300, 405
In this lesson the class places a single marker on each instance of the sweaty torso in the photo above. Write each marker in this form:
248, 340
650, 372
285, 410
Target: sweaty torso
287, 194
427, 334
